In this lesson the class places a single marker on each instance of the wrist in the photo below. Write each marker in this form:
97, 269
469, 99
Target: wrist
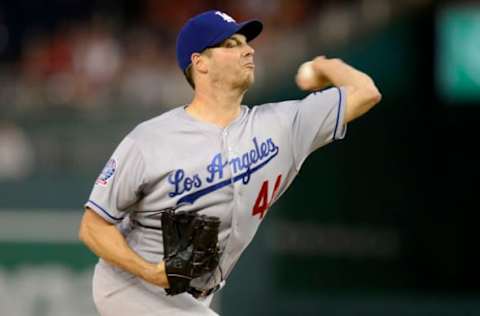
162, 274
155, 274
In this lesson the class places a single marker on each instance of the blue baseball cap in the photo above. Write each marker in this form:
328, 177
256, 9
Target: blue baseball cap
209, 29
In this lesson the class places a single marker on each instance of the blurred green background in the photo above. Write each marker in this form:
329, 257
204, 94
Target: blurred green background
381, 223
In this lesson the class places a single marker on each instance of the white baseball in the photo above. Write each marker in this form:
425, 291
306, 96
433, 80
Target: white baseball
306, 76
306, 72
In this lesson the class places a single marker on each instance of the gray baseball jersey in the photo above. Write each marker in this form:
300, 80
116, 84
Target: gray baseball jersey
176, 162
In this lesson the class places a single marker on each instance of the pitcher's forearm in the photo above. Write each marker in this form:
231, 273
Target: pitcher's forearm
342, 74
108, 243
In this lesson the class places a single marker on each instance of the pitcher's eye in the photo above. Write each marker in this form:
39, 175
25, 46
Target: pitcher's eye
229, 44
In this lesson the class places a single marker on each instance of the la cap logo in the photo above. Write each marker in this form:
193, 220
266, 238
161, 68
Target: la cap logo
225, 16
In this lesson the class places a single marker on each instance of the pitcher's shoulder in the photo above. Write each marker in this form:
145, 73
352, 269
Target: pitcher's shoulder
160, 123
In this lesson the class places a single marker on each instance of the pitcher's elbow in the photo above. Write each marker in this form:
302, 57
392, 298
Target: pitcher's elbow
378, 97
81, 234
374, 95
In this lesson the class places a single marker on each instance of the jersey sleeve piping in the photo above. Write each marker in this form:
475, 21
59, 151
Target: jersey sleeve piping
340, 111
103, 212
339, 129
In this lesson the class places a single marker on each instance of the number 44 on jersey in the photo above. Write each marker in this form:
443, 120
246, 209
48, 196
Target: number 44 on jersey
263, 202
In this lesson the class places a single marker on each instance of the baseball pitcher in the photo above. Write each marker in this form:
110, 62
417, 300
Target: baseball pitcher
184, 193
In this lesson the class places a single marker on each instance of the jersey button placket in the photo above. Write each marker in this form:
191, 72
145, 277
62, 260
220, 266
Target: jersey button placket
226, 148
232, 153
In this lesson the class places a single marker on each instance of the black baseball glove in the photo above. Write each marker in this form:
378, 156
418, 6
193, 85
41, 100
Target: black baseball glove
190, 244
